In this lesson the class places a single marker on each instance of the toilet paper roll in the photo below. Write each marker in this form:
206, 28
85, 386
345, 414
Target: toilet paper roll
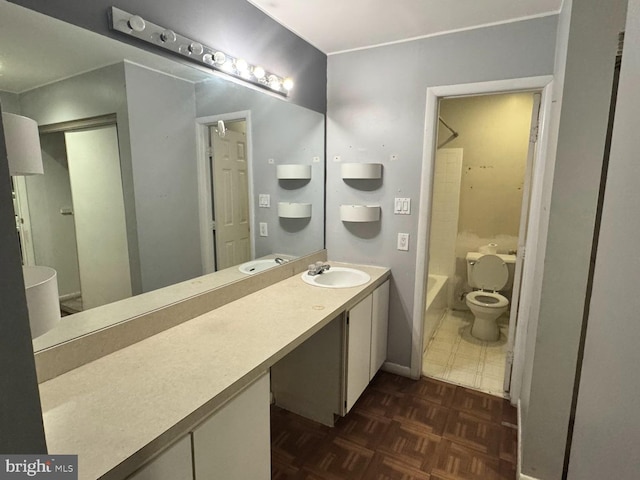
491, 248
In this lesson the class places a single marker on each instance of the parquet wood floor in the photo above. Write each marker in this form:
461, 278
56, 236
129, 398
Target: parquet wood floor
401, 429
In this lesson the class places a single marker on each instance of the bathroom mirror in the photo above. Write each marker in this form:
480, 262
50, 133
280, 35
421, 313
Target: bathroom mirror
134, 197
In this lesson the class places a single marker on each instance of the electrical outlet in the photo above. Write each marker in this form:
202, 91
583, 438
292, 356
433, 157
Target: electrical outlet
264, 231
403, 242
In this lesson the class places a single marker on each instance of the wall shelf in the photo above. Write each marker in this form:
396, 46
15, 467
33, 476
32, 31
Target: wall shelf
360, 213
361, 171
294, 210
293, 172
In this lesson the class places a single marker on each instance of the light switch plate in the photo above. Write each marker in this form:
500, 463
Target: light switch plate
403, 242
402, 206
264, 231
264, 200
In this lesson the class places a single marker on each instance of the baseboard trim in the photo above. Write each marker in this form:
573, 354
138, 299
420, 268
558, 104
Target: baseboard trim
397, 369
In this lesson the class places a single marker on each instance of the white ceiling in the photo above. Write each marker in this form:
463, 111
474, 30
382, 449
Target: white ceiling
335, 26
36, 49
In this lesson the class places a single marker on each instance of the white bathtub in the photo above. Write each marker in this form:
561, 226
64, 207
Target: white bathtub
435, 306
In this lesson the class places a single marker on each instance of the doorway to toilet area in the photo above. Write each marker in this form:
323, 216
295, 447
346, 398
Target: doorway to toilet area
481, 165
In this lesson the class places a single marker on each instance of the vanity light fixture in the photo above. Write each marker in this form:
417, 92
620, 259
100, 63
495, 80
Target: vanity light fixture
136, 26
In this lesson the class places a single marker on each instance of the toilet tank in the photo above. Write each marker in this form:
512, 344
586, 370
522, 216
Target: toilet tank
510, 260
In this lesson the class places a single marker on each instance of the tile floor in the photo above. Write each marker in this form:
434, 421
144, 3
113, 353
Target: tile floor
454, 356
401, 429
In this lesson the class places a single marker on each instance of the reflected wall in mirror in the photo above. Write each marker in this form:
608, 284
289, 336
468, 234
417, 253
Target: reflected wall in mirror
154, 171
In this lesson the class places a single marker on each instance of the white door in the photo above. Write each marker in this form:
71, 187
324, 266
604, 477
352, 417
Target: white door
230, 198
98, 205
522, 237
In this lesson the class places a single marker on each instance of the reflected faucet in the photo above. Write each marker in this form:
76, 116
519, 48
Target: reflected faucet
318, 268
280, 261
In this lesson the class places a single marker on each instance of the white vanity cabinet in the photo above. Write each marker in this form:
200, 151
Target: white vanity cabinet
366, 334
379, 328
324, 376
175, 463
234, 443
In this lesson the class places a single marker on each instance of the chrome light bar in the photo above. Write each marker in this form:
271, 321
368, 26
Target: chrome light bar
136, 26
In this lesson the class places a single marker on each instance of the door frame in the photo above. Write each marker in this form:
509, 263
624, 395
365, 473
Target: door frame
433, 96
205, 208
522, 236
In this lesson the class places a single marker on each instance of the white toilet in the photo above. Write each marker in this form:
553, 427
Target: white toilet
488, 274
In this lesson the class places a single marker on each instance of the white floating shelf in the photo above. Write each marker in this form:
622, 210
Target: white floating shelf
359, 213
294, 210
361, 171
293, 172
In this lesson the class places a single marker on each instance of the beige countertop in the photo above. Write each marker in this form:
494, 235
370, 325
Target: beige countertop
83, 323
120, 410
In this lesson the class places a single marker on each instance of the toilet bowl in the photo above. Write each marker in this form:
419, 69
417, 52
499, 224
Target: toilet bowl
488, 274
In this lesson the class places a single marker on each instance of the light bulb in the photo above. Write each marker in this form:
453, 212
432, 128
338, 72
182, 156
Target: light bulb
274, 82
287, 84
168, 36
196, 48
136, 23
259, 72
208, 59
242, 66
219, 58
228, 66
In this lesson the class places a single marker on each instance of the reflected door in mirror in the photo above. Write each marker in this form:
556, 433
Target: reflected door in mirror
230, 188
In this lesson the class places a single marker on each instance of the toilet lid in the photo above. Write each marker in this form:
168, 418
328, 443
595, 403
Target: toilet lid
490, 273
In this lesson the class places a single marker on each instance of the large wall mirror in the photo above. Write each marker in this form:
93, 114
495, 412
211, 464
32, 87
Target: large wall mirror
155, 172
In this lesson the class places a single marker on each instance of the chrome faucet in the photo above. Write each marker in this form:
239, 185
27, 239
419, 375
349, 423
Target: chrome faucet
280, 261
318, 268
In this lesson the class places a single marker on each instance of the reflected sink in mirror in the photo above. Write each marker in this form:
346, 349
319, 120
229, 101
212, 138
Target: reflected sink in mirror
260, 265
337, 277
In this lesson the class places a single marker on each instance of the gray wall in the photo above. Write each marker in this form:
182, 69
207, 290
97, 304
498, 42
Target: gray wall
588, 76
376, 107
161, 113
21, 429
607, 427
234, 26
10, 102
91, 94
287, 134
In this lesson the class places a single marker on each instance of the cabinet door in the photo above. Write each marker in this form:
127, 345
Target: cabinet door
358, 350
174, 464
234, 443
379, 326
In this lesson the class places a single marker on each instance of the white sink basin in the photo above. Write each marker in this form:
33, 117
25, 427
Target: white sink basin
255, 266
337, 277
